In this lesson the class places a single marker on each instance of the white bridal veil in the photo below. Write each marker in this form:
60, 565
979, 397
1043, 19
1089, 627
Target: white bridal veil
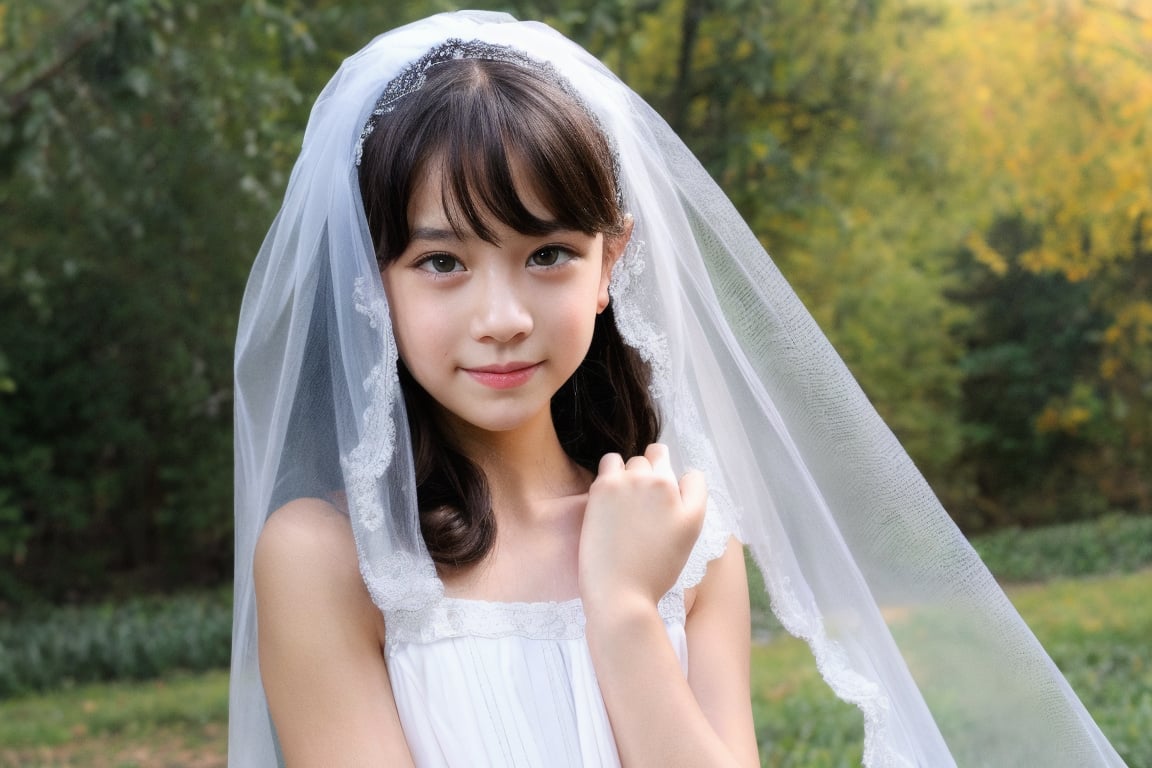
859, 558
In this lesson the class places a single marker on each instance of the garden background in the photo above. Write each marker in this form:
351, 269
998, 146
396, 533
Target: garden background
961, 192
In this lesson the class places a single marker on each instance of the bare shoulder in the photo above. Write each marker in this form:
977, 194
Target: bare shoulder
307, 551
304, 528
305, 532
725, 581
321, 642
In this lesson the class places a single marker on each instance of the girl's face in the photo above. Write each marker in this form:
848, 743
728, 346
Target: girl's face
491, 331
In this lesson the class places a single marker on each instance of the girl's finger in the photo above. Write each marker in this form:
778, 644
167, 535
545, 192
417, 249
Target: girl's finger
638, 463
657, 453
693, 489
611, 462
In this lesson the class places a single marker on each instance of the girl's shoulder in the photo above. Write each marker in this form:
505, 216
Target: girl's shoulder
310, 532
724, 580
306, 562
320, 643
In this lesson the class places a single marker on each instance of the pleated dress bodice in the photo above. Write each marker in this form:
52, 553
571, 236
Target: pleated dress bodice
504, 684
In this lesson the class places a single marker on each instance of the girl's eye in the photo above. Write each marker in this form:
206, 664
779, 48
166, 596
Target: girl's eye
441, 264
549, 256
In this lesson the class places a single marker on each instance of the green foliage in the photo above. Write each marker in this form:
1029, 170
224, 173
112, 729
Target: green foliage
138, 639
143, 151
1114, 544
1029, 339
1044, 109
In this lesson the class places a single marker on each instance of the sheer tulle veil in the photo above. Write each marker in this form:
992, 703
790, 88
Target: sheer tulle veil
859, 558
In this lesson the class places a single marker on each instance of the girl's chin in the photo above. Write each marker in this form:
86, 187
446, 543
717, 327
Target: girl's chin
491, 422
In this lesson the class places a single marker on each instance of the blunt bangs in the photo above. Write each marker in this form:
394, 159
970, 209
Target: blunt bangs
476, 123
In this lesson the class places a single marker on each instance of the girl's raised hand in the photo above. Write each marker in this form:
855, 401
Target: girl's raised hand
639, 527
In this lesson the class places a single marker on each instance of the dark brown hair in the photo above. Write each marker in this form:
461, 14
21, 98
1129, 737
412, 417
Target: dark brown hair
469, 120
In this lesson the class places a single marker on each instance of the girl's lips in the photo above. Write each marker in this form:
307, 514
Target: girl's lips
503, 376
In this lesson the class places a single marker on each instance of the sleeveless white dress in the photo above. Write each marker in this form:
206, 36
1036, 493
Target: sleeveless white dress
505, 684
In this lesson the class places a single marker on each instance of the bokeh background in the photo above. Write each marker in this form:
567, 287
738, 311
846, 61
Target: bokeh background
960, 191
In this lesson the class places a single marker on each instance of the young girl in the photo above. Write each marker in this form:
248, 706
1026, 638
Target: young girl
501, 310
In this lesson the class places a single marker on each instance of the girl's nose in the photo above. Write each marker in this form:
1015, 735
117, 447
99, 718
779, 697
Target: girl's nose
501, 314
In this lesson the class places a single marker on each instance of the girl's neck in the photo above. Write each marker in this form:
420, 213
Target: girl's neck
535, 491
524, 466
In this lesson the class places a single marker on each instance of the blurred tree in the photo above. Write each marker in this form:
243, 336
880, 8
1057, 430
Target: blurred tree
141, 148
1048, 109
1030, 338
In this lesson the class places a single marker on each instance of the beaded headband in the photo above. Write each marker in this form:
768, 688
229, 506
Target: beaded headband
414, 75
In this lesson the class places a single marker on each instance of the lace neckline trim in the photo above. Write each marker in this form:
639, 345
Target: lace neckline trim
452, 617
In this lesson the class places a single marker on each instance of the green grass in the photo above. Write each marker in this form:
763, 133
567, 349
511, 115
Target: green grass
1098, 632
180, 721
799, 722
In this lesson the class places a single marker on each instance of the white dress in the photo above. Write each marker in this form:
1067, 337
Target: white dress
511, 685
505, 684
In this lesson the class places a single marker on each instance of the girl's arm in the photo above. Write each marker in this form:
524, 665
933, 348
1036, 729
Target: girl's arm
320, 644
639, 527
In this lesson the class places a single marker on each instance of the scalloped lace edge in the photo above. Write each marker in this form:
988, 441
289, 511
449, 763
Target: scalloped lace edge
710, 544
848, 684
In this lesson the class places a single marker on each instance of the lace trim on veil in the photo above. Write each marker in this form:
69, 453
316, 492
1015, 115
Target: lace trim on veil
832, 663
797, 618
369, 460
626, 291
396, 578
641, 334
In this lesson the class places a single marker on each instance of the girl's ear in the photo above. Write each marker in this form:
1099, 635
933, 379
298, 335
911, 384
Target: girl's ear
614, 246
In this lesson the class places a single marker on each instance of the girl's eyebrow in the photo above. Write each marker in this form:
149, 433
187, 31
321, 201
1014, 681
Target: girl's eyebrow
438, 234
433, 233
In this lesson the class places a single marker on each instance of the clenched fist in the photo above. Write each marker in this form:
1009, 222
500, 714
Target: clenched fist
639, 527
